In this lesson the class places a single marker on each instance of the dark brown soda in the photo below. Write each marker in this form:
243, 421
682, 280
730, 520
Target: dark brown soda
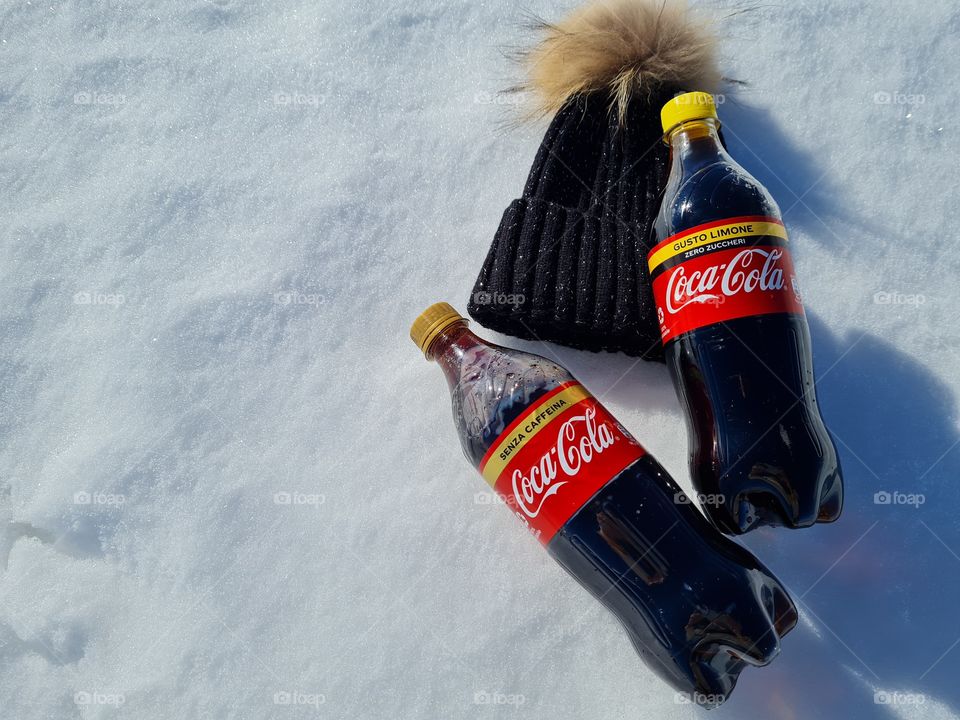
697, 607
746, 385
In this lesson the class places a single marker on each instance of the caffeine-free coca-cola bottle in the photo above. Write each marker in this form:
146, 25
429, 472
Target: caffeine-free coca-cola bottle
735, 337
697, 606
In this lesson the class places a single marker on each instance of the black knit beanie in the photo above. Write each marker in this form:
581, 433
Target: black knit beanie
568, 261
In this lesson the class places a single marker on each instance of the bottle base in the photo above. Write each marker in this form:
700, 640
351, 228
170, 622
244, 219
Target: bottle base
770, 505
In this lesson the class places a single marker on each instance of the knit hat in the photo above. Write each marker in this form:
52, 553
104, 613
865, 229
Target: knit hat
567, 263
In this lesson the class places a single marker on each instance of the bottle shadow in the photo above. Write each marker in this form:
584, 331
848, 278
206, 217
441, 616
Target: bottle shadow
803, 188
877, 589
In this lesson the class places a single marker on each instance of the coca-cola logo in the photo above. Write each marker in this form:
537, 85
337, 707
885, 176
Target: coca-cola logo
579, 441
750, 270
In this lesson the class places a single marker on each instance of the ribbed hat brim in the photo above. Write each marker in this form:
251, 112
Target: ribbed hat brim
561, 275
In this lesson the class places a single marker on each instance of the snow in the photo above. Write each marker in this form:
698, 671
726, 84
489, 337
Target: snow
229, 485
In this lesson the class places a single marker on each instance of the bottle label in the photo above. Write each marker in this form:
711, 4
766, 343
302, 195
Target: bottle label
556, 456
721, 271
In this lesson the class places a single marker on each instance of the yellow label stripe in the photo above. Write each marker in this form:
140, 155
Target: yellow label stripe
533, 422
691, 241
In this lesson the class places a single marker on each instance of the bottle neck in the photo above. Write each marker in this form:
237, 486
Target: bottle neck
450, 346
693, 145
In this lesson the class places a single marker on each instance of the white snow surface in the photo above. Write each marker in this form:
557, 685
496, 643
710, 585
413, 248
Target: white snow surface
229, 484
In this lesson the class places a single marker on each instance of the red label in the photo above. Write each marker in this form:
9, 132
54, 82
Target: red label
556, 456
720, 271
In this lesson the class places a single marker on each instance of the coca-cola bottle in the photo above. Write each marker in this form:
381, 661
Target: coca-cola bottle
735, 337
697, 606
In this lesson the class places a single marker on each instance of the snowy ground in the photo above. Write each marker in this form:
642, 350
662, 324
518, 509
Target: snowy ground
219, 219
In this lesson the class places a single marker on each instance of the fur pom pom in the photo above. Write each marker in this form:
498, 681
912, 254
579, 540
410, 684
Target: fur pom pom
623, 47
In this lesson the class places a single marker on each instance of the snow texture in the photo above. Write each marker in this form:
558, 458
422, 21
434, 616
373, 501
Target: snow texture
229, 484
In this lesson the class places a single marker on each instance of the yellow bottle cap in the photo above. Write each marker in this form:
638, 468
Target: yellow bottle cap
431, 322
689, 106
